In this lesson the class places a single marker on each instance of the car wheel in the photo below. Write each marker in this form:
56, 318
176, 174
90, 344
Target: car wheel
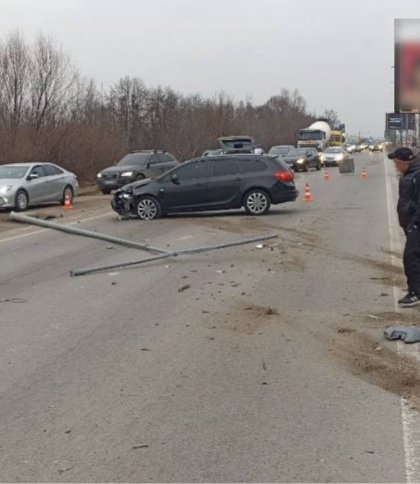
148, 208
68, 192
257, 202
106, 191
21, 201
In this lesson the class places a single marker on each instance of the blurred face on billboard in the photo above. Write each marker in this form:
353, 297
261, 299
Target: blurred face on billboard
409, 77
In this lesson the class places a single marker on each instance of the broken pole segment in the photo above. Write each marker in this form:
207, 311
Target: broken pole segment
86, 233
198, 250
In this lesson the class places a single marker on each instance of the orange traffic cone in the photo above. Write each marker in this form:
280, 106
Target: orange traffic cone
67, 201
363, 176
326, 175
307, 197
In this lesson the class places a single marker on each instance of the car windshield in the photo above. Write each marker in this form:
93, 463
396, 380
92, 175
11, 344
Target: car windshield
134, 159
333, 150
297, 152
311, 135
279, 150
9, 171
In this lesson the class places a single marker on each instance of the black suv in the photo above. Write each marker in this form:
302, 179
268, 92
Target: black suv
137, 165
211, 183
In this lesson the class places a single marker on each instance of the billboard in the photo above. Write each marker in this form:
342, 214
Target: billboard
400, 121
394, 122
407, 65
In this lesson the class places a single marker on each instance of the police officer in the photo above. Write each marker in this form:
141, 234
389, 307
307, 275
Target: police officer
408, 208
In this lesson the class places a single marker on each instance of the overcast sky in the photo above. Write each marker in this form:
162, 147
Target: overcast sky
338, 54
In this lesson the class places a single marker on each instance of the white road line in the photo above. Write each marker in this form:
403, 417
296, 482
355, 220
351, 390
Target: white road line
35, 232
410, 418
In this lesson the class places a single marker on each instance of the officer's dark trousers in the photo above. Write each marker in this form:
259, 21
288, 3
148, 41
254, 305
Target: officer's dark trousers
411, 259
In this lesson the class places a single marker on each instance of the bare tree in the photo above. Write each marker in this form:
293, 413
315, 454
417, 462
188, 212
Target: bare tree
48, 113
15, 67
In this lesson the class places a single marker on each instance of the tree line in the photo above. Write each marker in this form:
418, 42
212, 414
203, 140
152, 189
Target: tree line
49, 112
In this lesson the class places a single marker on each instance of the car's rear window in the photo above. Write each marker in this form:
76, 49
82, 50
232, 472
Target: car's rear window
134, 159
251, 166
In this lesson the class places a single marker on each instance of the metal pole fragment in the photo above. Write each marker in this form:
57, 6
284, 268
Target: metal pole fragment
86, 233
199, 250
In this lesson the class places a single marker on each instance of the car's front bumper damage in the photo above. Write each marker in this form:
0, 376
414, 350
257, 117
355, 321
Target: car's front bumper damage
123, 203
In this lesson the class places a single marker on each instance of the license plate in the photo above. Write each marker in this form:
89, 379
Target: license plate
109, 182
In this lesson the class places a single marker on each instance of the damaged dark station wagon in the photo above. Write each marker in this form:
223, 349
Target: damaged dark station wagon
210, 183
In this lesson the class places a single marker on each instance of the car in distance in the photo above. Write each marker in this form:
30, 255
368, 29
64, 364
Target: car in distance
351, 147
237, 144
25, 184
280, 150
301, 159
134, 166
376, 147
334, 155
219, 183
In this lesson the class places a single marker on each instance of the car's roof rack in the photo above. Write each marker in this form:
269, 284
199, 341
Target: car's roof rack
148, 151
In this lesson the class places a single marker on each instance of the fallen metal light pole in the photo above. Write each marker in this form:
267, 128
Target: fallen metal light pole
86, 233
198, 250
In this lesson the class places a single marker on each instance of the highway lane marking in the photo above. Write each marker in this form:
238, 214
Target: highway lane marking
410, 418
35, 232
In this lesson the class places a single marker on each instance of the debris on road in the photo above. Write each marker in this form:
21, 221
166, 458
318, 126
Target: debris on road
184, 288
408, 335
165, 255
144, 446
15, 300
271, 311
372, 316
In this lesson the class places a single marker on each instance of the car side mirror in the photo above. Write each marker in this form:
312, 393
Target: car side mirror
33, 176
174, 178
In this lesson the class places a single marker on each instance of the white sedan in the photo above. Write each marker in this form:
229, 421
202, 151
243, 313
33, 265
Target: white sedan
334, 155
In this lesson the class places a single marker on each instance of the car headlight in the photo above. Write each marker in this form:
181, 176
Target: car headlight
300, 161
99, 175
127, 173
6, 189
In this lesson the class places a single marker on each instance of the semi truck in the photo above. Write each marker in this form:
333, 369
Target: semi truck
317, 135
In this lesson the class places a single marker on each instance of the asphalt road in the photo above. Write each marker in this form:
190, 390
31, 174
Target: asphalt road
241, 365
